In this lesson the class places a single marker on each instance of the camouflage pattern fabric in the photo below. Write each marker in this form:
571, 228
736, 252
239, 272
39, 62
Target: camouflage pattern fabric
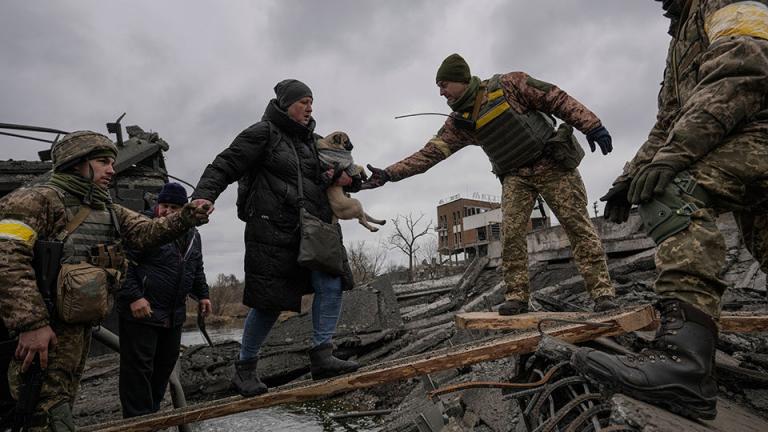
38, 212
62, 378
713, 121
76, 145
735, 176
565, 194
523, 94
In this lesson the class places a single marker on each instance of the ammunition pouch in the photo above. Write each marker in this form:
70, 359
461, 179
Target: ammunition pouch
85, 292
669, 213
564, 148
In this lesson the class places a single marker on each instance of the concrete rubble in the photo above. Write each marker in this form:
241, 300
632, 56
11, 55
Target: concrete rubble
382, 322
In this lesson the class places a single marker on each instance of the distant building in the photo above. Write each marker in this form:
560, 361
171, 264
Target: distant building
473, 226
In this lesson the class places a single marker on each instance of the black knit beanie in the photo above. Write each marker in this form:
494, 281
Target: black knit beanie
172, 193
453, 68
289, 91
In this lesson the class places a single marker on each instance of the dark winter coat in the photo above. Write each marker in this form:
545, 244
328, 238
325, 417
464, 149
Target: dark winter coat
165, 276
261, 158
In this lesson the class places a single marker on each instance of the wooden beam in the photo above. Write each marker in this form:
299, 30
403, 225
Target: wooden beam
742, 322
729, 322
374, 375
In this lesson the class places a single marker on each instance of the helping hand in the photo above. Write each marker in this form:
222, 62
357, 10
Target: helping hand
33, 342
602, 137
617, 205
378, 178
196, 213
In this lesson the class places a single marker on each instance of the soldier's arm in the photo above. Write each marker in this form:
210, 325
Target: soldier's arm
525, 93
25, 215
732, 87
448, 141
231, 164
140, 232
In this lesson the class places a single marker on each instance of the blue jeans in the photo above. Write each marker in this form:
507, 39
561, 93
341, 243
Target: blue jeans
326, 308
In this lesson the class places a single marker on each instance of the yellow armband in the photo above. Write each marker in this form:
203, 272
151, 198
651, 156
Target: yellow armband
13, 229
745, 18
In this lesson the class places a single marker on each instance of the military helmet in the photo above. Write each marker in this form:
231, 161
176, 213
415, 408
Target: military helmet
75, 147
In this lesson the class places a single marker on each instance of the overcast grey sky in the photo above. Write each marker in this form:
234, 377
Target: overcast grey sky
198, 72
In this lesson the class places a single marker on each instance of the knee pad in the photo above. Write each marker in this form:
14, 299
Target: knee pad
670, 212
60, 418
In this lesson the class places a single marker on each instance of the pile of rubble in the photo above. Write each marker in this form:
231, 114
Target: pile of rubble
381, 322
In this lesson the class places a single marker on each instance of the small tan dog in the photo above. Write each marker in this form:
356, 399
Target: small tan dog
335, 150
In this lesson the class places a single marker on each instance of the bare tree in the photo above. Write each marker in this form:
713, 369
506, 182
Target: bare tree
407, 232
227, 290
367, 262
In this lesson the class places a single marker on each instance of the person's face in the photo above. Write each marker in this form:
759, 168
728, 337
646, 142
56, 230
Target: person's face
167, 209
103, 169
451, 90
301, 110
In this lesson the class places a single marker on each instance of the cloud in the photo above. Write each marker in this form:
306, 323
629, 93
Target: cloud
200, 72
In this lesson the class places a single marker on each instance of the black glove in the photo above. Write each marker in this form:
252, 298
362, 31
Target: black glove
602, 137
617, 205
357, 184
651, 181
378, 178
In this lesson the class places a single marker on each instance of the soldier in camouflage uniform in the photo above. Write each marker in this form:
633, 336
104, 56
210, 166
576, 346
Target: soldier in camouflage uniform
83, 167
510, 117
706, 155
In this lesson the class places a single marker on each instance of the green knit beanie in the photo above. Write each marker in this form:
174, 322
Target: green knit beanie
453, 68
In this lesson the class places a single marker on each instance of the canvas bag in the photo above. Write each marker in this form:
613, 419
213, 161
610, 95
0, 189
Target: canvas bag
320, 246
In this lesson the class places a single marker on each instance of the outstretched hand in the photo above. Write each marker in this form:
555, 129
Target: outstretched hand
617, 205
196, 213
377, 179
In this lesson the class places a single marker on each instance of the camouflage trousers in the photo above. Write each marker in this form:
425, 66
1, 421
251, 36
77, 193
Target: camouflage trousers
735, 177
66, 362
564, 192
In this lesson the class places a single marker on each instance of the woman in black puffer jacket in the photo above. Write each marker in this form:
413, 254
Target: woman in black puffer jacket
261, 158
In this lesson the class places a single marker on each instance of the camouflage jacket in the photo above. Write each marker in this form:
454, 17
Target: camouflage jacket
38, 212
715, 84
523, 93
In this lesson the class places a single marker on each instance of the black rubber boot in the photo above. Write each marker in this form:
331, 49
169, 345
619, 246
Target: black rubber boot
246, 379
605, 303
676, 373
323, 364
513, 307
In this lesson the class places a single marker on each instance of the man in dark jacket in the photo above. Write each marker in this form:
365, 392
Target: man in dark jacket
152, 306
265, 158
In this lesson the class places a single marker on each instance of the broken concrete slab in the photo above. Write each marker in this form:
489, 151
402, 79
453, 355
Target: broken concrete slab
648, 418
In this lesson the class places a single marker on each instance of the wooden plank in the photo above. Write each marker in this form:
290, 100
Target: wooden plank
729, 322
743, 323
374, 375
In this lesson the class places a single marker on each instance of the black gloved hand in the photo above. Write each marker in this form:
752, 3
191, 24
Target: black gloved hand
378, 178
602, 137
651, 180
617, 205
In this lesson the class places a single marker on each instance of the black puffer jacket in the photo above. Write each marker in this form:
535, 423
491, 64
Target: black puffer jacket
165, 276
262, 160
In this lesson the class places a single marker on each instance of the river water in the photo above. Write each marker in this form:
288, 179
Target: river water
307, 417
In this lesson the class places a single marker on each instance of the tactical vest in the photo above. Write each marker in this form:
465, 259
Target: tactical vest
511, 140
99, 228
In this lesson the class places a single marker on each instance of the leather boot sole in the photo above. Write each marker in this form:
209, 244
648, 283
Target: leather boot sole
670, 397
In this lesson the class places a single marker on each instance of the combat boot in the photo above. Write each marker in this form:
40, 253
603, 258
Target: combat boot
605, 303
513, 307
323, 364
246, 379
676, 372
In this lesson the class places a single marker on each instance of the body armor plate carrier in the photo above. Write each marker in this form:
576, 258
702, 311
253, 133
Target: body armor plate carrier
511, 140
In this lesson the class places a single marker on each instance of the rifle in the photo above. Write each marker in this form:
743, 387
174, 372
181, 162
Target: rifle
29, 395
